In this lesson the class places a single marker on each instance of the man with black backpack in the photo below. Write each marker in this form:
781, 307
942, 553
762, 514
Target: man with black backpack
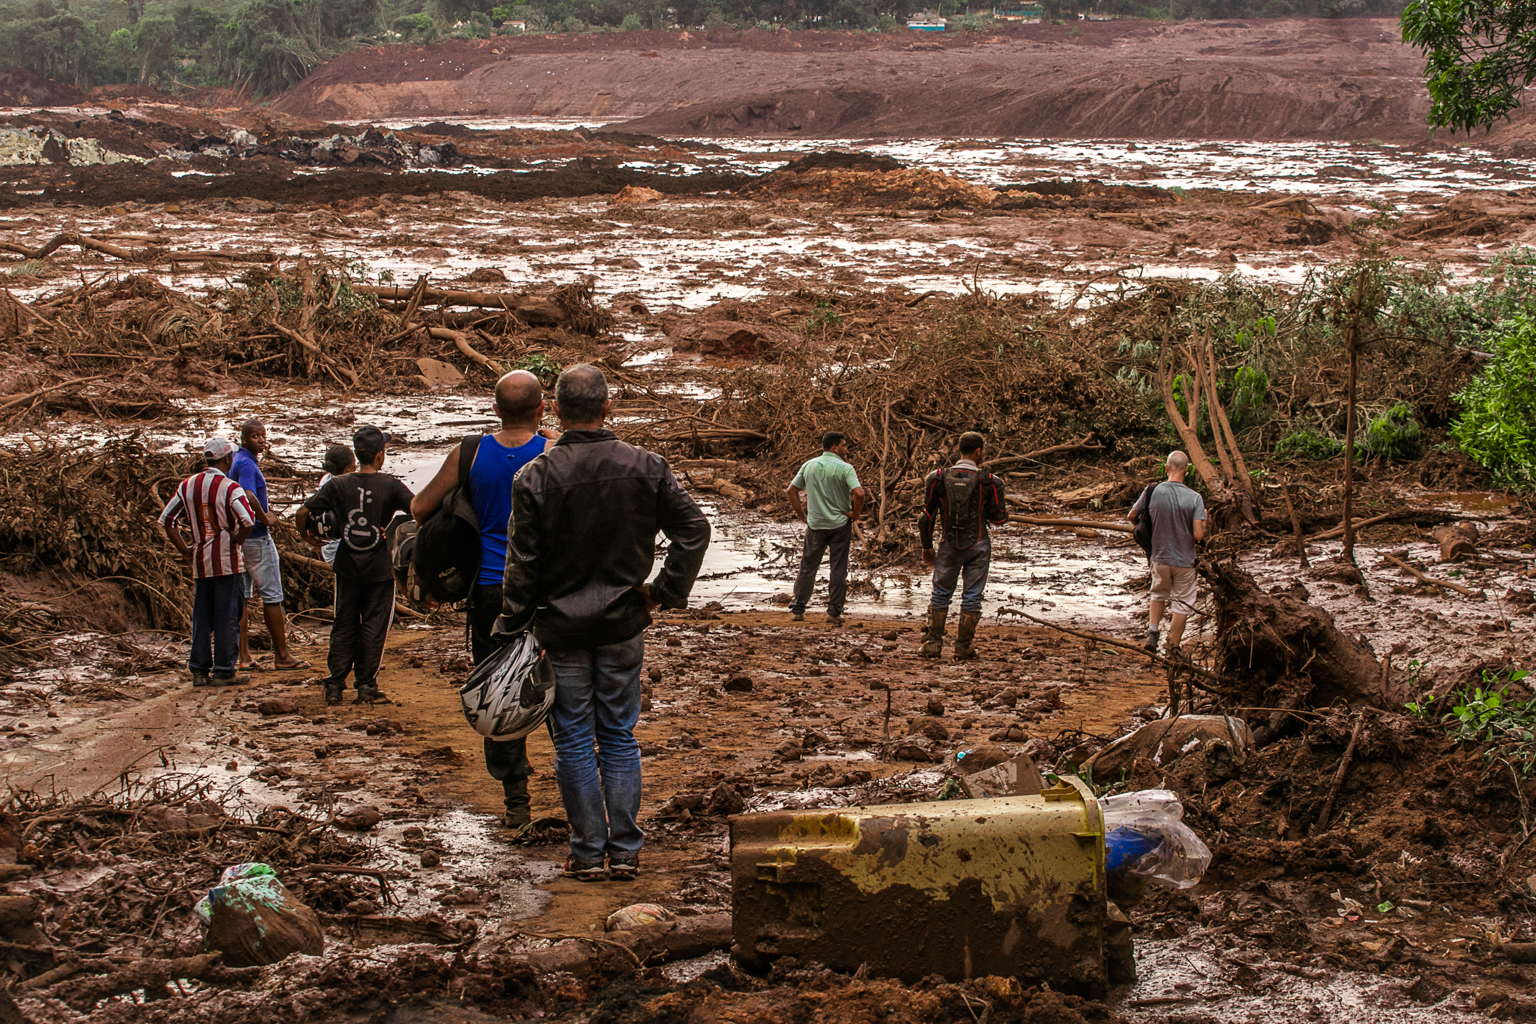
361, 505
481, 468
967, 498
1176, 515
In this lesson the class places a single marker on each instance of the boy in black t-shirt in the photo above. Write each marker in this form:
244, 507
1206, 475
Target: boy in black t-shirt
363, 504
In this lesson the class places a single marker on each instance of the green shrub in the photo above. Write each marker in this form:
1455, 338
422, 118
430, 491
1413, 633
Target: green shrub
415, 27
1395, 434
1497, 428
1308, 444
631, 23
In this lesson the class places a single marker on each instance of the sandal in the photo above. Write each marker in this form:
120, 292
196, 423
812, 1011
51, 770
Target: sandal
623, 870
583, 871
297, 666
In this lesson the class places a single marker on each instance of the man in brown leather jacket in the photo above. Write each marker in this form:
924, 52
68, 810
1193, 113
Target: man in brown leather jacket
967, 498
580, 547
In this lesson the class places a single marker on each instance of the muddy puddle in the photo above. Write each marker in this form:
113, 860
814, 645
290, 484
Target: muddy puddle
1186, 980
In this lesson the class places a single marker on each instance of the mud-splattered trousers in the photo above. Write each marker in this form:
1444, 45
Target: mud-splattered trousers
950, 565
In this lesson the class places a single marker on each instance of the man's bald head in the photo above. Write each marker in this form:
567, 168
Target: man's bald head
1178, 464
519, 399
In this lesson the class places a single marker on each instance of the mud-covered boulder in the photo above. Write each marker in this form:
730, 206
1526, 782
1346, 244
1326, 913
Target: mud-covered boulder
732, 339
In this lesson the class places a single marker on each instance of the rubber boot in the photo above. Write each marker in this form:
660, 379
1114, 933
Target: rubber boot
515, 792
933, 637
964, 651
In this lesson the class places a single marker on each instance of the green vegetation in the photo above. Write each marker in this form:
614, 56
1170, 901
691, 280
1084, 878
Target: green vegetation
1308, 444
1394, 435
1490, 716
1497, 427
541, 366
1479, 56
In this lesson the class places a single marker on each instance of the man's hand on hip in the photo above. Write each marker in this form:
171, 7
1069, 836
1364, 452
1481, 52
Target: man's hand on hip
651, 604
928, 556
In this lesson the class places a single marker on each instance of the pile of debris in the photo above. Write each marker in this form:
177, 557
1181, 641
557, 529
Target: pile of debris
909, 189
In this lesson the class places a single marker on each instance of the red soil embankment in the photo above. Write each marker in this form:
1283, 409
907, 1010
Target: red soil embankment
1265, 79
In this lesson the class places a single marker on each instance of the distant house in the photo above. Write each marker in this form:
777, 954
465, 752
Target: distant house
926, 22
509, 27
1027, 13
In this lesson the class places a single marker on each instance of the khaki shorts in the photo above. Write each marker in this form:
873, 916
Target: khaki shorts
1175, 586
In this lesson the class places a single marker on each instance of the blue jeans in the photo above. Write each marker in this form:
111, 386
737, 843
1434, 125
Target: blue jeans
948, 566
597, 760
216, 604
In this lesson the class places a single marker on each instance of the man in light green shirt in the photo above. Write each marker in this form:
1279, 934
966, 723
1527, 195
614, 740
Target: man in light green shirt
832, 500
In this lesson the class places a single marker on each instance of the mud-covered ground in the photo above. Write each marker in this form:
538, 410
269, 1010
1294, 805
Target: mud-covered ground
131, 790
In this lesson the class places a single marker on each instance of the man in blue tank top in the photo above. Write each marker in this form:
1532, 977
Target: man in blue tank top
519, 406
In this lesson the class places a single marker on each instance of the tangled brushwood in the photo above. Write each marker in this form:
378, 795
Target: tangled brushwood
90, 515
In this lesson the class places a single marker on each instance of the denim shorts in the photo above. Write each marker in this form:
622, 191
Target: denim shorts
262, 575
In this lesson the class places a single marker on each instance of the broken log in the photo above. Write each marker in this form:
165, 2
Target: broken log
1071, 524
1442, 584
682, 939
1456, 541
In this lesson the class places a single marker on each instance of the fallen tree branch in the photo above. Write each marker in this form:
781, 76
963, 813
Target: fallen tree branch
1338, 531
1443, 584
1069, 523
1099, 638
1338, 777
461, 342
29, 396
1084, 443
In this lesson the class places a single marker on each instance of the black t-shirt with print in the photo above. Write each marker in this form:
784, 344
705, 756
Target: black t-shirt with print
363, 504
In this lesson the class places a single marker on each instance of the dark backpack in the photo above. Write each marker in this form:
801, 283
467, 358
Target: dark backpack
445, 553
1143, 525
962, 507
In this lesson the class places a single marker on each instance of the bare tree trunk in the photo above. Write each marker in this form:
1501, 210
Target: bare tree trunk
1352, 341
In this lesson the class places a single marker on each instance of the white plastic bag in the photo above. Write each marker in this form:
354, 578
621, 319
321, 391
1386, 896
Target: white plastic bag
1145, 839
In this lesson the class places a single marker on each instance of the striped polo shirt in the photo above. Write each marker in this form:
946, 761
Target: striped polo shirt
214, 506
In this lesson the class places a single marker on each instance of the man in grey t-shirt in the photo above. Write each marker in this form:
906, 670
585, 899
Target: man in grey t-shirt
1178, 525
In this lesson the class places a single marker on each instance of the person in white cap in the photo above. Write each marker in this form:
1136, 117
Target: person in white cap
220, 519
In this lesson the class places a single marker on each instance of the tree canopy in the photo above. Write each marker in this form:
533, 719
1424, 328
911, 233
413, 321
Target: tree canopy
1479, 56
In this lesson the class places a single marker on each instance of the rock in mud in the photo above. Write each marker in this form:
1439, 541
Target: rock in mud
789, 750
975, 759
738, 684
359, 819
935, 707
276, 706
911, 748
725, 800
430, 858
1017, 776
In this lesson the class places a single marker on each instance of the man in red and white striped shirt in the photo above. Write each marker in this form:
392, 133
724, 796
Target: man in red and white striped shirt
220, 518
